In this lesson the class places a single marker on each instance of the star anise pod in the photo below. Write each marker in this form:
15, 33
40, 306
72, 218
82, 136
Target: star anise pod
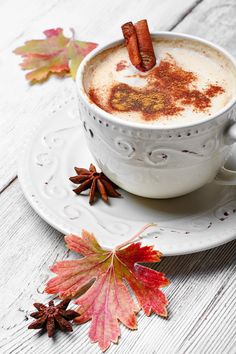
96, 181
51, 317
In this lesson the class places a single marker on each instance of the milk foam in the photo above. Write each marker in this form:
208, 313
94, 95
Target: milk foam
210, 67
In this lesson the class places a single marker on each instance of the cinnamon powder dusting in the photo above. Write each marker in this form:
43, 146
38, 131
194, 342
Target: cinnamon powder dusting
168, 91
121, 65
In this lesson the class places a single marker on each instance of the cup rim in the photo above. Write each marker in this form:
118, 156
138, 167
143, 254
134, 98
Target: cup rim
135, 125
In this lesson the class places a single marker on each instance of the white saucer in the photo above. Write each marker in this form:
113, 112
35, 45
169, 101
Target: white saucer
199, 221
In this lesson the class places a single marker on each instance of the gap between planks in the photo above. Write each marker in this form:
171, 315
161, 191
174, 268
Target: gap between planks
8, 184
184, 15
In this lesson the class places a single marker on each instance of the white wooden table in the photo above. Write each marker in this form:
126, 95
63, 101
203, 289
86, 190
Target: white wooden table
202, 310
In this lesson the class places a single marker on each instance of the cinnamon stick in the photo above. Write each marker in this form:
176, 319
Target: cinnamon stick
131, 42
139, 45
145, 45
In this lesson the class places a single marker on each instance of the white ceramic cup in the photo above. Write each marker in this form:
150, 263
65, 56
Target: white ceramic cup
159, 162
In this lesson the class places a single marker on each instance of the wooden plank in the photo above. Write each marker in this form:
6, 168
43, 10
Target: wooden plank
201, 295
16, 16
21, 104
212, 20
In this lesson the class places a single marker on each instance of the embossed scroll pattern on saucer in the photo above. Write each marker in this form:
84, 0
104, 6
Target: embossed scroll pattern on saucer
201, 220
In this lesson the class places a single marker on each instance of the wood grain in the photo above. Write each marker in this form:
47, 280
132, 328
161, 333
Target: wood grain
202, 305
213, 20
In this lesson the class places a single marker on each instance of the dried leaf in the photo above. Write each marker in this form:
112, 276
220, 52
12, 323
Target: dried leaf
56, 54
108, 301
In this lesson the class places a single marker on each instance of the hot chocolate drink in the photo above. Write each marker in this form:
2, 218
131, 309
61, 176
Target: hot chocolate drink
190, 81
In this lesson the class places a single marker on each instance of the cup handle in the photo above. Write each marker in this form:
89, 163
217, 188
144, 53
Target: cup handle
224, 175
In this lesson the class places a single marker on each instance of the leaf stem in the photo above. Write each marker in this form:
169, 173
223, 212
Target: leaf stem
133, 238
73, 34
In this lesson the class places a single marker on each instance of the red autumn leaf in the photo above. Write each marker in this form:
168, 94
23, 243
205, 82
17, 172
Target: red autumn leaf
105, 274
56, 54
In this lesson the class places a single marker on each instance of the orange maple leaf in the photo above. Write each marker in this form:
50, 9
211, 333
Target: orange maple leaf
56, 54
108, 299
